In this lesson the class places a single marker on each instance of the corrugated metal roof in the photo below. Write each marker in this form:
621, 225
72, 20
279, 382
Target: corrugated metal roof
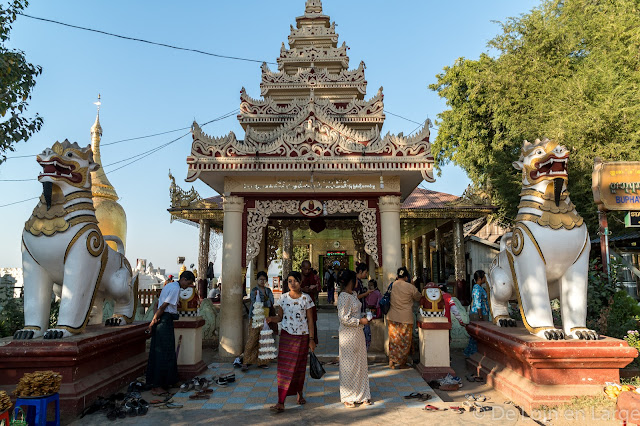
422, 198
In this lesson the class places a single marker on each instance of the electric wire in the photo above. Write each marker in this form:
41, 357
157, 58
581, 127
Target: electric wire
202, 52
130, 160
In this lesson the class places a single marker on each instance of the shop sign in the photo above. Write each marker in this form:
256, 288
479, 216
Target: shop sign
616, 185
632, 220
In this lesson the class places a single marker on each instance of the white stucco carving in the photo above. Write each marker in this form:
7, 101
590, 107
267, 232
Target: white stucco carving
547, 254
62, 243
368, 218
258, 219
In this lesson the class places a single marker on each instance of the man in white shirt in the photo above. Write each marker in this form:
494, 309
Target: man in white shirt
162, 368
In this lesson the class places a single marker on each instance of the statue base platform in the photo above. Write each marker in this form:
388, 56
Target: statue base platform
533, 372
98, 362
434, 348
190, 362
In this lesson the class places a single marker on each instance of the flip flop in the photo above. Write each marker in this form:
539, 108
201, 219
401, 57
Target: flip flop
350, 404
433, 408
276, 409
302, 401
199, 396
458, 410
171, 405
413, 395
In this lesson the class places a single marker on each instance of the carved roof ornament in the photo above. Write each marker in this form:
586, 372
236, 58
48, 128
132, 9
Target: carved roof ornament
312, 116
180, 197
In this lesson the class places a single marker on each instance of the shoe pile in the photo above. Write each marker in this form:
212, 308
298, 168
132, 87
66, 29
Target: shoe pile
450, 383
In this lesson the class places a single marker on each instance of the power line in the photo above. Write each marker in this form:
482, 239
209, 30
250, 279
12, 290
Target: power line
227, 115
144, 41
18, 202
386, 111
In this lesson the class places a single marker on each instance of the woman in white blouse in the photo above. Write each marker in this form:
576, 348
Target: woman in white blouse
354, 375
296, 314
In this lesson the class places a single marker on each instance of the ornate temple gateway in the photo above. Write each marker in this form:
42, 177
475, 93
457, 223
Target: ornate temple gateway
314, 160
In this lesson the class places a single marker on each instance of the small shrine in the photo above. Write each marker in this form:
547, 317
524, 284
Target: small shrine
315, 169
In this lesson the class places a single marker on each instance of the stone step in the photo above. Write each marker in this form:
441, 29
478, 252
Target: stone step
377, 357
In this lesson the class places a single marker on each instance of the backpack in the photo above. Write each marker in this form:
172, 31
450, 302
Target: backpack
331, 282
385, 302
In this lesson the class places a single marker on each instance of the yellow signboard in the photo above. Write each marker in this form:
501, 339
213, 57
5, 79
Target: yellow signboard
616, 185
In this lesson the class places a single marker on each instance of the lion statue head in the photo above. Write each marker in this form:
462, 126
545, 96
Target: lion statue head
66, 166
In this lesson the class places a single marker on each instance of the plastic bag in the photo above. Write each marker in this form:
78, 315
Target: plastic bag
315, 368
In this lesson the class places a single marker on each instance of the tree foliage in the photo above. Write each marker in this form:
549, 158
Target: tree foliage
17, 79
568, 70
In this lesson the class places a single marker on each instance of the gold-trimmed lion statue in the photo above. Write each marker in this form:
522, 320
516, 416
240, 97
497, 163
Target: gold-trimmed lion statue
547, 254
62, 244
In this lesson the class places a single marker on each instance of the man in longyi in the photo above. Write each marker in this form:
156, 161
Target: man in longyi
162, 368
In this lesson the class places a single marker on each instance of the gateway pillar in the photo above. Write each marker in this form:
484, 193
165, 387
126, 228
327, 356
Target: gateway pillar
389, 206
231, 323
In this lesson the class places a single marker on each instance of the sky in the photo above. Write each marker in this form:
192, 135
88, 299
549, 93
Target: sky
149, 89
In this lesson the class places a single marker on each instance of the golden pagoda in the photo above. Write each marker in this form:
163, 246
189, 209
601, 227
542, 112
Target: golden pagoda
112, 219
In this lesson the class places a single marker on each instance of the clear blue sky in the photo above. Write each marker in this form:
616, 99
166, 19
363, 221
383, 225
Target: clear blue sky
148, 89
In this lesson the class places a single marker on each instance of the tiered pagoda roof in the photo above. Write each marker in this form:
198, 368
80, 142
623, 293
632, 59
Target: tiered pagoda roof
313, 116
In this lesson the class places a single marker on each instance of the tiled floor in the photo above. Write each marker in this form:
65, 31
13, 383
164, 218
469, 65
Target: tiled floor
257, 389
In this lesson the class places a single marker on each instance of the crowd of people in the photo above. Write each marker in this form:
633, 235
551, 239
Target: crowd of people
296, 313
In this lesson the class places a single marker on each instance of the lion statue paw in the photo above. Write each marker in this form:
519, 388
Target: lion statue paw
551, 334
56, 333
583, 334
113, 322
27, 334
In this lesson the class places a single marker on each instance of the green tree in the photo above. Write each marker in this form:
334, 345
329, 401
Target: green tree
568, 70
300, 253
17, 78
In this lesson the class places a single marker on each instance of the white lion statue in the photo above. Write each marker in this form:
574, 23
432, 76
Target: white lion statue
547, 254
61, 243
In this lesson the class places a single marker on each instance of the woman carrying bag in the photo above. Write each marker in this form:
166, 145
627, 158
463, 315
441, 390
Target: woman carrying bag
296, 315
400, 319
260, 293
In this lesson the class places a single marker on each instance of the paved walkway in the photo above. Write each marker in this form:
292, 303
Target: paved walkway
256, 390
247, 401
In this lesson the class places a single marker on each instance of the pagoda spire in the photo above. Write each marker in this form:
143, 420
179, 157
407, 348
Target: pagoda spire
313, 6
100, 185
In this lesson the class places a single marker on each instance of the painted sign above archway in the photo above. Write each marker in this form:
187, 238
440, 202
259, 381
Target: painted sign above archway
311, 208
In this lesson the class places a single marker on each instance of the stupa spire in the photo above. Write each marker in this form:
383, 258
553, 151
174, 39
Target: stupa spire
313, 6
100, 185
112, 220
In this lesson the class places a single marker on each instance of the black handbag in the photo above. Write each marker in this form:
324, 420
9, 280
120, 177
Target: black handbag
385, 302
315, 367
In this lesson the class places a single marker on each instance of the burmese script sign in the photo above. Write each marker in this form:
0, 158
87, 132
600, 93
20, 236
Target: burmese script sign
616, 185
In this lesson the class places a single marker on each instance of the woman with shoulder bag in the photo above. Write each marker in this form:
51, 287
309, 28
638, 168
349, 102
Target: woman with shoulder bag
259, 293
400, 319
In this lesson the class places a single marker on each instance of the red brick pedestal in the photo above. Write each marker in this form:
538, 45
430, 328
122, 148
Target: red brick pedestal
96, 363
533, 372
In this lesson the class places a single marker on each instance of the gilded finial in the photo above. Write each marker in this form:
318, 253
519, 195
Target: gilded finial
96, 128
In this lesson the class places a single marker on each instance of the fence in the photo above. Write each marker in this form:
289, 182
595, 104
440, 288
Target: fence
146, 297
